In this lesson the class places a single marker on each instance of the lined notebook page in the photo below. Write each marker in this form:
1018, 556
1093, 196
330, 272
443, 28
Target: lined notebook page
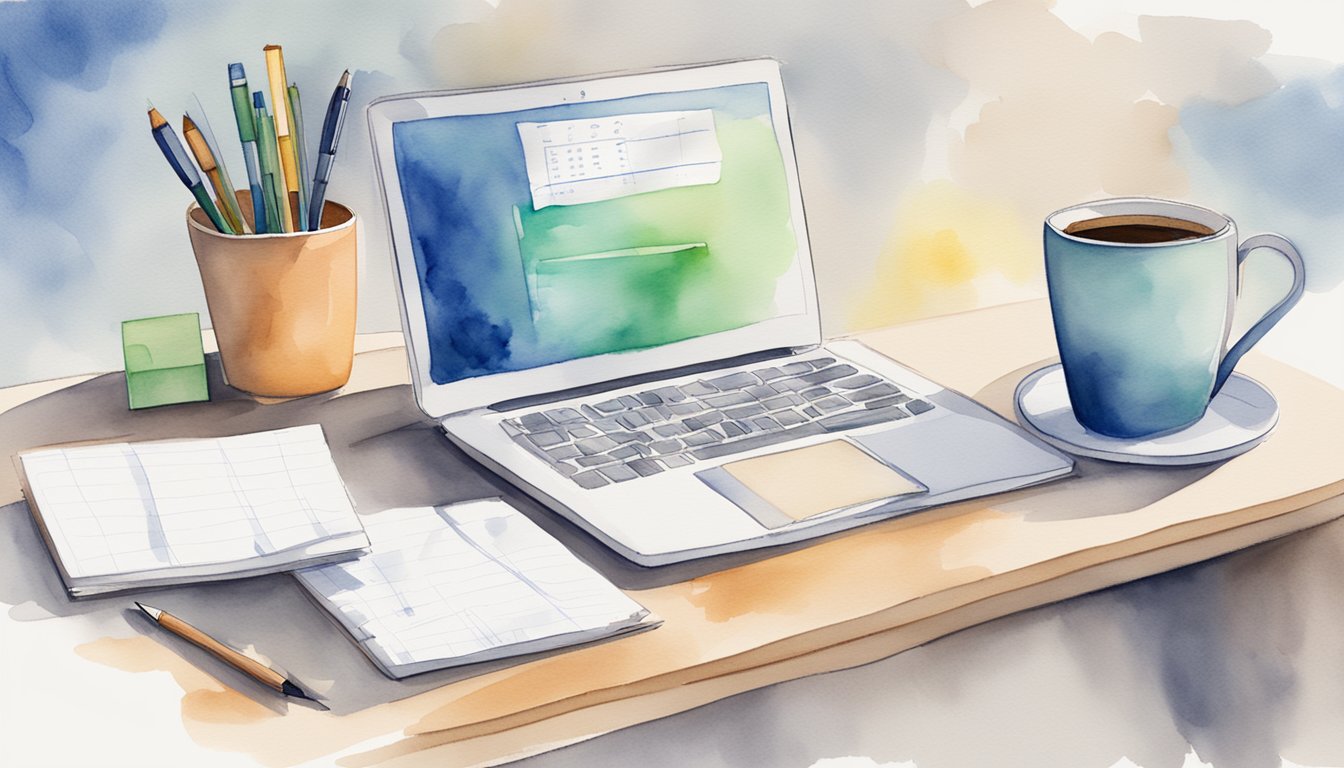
130, 507
443, 584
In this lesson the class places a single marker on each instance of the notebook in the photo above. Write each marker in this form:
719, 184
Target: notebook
453, 585
120, 516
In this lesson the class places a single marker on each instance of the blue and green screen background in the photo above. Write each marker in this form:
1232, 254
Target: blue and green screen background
500, 282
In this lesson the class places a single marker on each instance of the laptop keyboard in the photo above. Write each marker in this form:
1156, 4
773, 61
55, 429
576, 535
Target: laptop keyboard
612, 440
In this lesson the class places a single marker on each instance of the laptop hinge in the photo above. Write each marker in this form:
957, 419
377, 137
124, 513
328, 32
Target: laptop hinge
532, 401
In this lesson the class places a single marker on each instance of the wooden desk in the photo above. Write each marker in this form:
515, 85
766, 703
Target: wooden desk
750, 621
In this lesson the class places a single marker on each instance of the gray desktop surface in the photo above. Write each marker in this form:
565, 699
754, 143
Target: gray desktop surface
1239, 656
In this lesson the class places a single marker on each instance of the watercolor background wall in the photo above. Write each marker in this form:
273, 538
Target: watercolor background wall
932, 135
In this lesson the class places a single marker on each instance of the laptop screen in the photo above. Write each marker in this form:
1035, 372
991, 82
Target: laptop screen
587, 228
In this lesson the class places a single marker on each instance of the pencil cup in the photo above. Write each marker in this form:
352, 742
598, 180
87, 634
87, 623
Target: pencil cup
282, 305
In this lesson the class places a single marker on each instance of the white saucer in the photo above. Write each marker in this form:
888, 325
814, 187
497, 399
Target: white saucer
1239, 418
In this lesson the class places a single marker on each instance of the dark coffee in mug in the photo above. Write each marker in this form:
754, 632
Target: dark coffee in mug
1137, 228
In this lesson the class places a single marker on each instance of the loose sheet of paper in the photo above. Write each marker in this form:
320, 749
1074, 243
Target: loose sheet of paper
455, 581
583, 161
820, 478
125, 507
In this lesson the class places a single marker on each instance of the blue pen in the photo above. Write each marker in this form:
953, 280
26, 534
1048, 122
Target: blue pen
326, 153
186, 171
247, 134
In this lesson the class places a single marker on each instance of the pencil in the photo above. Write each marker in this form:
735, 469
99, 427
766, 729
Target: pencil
210, 167
183, 167
248, 666
289, 163
269, 162
300, 152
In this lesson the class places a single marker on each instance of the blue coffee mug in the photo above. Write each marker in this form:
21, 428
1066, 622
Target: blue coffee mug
1142, 292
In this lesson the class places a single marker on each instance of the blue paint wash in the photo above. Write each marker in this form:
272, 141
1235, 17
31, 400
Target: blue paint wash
1289, 143
46, 44
461, 179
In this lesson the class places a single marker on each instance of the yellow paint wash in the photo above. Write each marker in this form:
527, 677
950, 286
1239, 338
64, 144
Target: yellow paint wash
943, 239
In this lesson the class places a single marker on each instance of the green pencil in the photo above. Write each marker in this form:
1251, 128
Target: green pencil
296, 130
269, 160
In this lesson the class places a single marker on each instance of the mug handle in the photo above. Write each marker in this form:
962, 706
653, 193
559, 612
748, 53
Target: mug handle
1275, 313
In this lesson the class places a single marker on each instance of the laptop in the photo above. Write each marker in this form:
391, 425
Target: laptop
608, 299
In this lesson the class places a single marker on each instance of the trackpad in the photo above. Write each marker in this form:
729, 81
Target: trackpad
789, 486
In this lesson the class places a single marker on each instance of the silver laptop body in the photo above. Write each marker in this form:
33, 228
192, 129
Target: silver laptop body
608, 299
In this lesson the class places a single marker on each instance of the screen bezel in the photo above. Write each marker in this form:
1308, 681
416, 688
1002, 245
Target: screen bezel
439, 400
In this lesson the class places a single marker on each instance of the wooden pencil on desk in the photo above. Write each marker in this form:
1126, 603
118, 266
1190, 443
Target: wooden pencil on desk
245, 664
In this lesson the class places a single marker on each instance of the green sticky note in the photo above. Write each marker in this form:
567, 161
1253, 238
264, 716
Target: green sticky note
165, 362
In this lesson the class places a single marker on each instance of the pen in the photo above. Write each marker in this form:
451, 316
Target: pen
287, 173
272, 188
248, 666
205, 158
300, 152
182, 165
326, 152
247, 134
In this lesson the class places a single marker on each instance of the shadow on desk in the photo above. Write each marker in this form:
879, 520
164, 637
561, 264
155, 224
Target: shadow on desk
389, 455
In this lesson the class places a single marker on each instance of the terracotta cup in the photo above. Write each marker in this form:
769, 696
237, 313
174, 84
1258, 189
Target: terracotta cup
282, 305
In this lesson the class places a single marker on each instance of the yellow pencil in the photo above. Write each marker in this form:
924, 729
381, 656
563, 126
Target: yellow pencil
289, 162
206, 159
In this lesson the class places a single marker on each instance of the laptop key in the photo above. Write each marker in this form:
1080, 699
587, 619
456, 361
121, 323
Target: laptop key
670, 430
649, 398
821, 362
535, 421
702, 438
855, 419
669, 394
857, 382
793, 369
731, 429
829, 374
609, 406
565, 469
729, 399
590, 479
831, 403
769, 374
618, 473
886, 402
565, 416
566, 451
746, 411
675, 460
788, 418
766, 424
595, 445
581, 430
761, 391
738, 380
666, 446
593, 461
632, 419
645, 467
625, 452
547, 439
919, 406
758, 440
685, 408
882, 389
697, 389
